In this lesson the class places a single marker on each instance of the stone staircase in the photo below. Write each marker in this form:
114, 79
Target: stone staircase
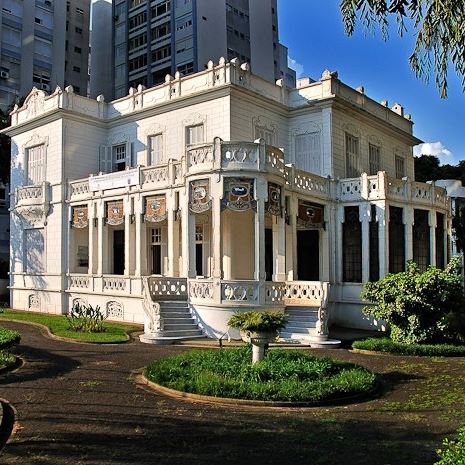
167, 321
301, 328
178, 324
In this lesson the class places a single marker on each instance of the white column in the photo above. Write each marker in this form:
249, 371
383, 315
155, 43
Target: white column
91, 214
340, 217
365, 214
382, 214
432, 238
293, 207
188, 240
259, 274
127, 236
217, 233
139, 252
101, 245
279, 248
171, 225
408, 224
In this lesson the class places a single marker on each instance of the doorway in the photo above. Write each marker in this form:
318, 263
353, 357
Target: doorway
118, 252
308, 255
268, 254
156, 251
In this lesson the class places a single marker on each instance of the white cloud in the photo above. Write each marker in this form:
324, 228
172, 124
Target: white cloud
299, 68
434, 148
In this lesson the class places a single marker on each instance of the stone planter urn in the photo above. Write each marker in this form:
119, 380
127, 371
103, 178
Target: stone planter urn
259, 341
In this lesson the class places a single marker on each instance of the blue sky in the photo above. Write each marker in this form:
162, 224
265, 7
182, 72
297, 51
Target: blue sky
314, 33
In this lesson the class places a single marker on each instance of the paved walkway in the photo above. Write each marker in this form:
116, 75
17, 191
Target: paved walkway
77, 404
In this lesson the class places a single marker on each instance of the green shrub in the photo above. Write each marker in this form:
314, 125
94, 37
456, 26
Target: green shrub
6, 359
430, 350
285, 375
453, 450
8, 337
86, 319
420, 307
258, 321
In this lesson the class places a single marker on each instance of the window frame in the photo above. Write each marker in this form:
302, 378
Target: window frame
352, 165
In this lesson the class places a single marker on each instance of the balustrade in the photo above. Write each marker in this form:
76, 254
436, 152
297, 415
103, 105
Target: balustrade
114, 284
79, 188
201, 290
29, 193
168, 288
79, 282
158, 175
239, 292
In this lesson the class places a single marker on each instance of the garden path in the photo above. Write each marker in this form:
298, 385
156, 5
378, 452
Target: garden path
78, 404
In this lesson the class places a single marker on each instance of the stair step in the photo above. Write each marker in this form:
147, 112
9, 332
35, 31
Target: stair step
300, 329
175, 314
179, 327
181, 320
163, 340
303, 319
182, 333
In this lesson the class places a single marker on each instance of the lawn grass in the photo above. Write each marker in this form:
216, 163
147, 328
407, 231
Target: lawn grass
452, 451
58, 325
8, 337
6, 359
397, 348
284, 375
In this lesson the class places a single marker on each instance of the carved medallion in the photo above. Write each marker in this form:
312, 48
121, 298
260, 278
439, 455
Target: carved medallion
239, 194
80, 217
200, 200
115, 310
310, 215
115, 213
34, 302
155, 209
273, 205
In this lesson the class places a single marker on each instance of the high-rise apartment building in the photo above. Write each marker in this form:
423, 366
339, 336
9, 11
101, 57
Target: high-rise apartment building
153, 38
44, 43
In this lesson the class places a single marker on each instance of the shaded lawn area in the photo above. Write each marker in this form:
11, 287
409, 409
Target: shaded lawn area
58, 325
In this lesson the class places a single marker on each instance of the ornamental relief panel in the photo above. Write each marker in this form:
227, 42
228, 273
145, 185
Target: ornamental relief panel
273, 204
239, 194
80, 217
310, 215
155, 209
200, 198
34, 302
115, 212
114, 310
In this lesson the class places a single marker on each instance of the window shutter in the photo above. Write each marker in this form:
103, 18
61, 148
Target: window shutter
106, 163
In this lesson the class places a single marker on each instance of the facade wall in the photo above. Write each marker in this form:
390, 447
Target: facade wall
345, 122
236, 107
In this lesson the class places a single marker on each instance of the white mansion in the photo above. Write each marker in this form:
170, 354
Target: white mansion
175, 206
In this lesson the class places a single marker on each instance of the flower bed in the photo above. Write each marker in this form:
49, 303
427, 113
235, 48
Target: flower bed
388, 346
285, 376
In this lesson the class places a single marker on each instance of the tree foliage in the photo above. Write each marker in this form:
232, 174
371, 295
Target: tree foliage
439, 30
420, 307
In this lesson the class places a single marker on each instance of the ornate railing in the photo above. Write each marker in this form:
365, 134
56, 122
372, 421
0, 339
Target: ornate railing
240, 292
310, 184
79, 188
159, 175
240, 155
79, 282
168, 288
30, 193
297, 293
275, 160
201, 290
200, 155
114, 284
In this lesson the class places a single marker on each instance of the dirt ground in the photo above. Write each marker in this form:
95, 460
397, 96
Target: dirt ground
78, 404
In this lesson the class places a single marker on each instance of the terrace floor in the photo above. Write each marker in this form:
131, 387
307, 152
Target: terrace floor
78, 404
